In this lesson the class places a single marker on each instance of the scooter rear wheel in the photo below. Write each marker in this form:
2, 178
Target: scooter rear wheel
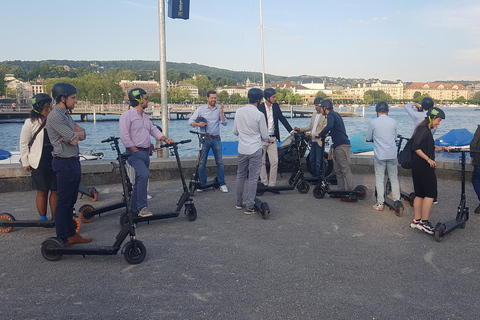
411, 197
6, 217
84, 213
319, 192
362, 190
398, 208
50, 244
191, 212
134, 253
303, 187
264, 210
76, 224
439, 231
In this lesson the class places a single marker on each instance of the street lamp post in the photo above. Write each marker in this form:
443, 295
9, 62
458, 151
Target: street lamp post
102, 103
110, 98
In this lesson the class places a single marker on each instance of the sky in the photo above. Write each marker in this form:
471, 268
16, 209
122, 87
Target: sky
411, 40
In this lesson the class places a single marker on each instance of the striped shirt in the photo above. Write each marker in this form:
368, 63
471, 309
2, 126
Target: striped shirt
61, 125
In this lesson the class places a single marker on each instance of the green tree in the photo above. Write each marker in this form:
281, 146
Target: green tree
223, 96
476, 97
321, 94
419, 98
367, 98
461, 99
173, 76
204, 85
416, 95
378, 95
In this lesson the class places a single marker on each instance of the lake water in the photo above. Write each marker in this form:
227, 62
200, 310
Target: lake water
107, 126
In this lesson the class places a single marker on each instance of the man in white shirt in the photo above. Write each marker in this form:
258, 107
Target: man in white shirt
251, 129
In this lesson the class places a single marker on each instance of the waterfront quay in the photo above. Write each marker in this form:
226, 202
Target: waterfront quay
175, 111
312, 259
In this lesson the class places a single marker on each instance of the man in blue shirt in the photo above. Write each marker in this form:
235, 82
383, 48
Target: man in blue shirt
341, 147
383, 132
214, 116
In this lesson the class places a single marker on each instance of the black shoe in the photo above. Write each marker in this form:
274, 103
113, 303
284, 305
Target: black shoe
477, 210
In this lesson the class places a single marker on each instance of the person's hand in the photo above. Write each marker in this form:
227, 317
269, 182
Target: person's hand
446, 149
78, 128
296, 129
272, 140
27, 169
418, 106
168, 140
431, 163
221, 107
201, 124
293, 132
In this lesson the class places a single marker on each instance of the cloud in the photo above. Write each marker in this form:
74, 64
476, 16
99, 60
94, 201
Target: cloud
454, 16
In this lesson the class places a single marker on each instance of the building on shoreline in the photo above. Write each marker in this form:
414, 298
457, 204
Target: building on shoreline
438, 91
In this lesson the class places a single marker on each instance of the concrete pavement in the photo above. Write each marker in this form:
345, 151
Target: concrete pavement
312, 259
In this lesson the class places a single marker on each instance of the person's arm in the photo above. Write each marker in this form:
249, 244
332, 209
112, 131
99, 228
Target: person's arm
411, 110
63, 130
328, 127
80, 132
235, 129
25, 137
222, 115
193, 118
369, 136
283, 120
422, 155
263, 129
310, 126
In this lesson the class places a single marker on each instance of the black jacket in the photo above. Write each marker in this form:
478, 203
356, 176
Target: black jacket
475, 145
277, 115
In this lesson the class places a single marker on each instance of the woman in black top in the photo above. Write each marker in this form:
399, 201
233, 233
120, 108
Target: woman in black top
423, 169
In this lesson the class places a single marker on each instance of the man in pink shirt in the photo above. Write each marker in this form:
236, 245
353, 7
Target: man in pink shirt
135, 131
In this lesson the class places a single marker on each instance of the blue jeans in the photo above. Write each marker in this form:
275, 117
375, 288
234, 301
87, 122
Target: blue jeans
69, 174
476, 180
140, 161
391, 166
216, 145
316, 159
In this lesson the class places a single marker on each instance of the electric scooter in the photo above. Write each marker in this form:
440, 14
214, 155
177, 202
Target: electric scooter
134, 250
322, 188
295, 181
8, 222
195, 180
460, 221
185, 198
87, 212
396, 206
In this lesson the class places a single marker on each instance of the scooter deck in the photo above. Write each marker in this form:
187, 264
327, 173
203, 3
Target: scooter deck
79, 249
28, 223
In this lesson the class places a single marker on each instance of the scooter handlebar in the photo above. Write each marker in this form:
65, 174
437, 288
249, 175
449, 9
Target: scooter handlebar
168, 145
110, 139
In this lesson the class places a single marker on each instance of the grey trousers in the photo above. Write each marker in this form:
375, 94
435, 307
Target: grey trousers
249, 166
342, 170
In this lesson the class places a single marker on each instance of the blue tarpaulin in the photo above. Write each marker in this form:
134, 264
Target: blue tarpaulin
359, 143
4, 154
456, 138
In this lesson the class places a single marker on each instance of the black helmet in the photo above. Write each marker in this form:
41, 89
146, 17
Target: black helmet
427, 103
318, 100
267, 93
39, 100
200, 120
327, 103
63, 89
382, 106
255, 95
434, 113
135, 96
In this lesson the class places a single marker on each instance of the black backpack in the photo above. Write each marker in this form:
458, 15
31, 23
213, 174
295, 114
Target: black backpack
405, 156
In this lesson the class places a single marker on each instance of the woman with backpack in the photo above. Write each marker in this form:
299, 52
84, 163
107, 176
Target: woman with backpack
423, 169
36, 154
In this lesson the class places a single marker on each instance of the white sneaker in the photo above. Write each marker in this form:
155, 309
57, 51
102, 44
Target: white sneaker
198, 190
145, 213
224, 189
149, 197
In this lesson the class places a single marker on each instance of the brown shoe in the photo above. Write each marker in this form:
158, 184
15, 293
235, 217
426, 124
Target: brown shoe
77, 238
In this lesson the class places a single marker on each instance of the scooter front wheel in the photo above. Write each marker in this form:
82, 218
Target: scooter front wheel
134, 253
191, 212
76, 224
319, 192
84, 213
93, 193
303, 187
50, 244
6, 217
398, 208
